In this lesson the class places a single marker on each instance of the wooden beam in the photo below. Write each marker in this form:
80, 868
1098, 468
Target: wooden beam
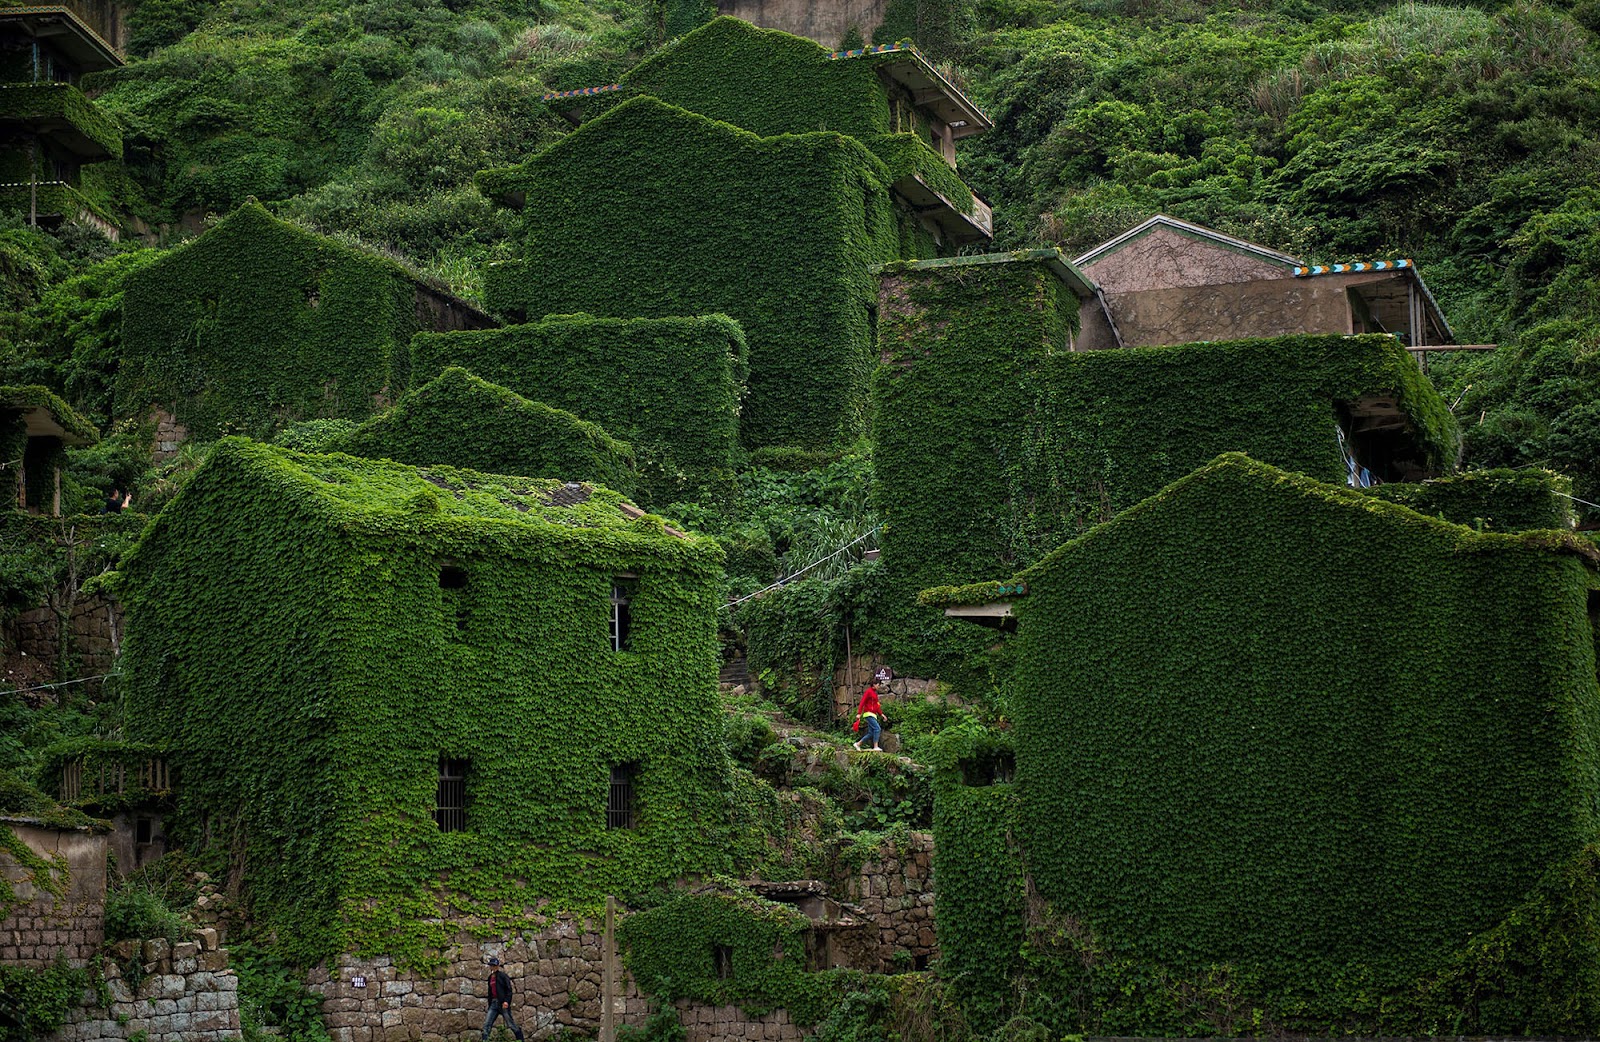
1453, 347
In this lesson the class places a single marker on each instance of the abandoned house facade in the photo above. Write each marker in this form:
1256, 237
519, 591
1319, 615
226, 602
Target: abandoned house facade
50, 133
35, 429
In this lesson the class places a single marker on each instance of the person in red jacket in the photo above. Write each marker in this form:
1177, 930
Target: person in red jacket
499, 1001
871, 713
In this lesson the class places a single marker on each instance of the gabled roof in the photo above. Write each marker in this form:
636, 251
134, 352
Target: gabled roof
1193, 231
47, 416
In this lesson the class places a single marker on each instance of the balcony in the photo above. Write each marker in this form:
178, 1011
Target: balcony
952, 225
60, 112
91, 34
53, 202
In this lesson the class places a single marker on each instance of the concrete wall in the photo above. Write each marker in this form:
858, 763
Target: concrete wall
1264, 308
42, 926
1164, 258
825, 21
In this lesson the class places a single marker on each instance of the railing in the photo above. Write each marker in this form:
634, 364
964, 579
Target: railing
111, 777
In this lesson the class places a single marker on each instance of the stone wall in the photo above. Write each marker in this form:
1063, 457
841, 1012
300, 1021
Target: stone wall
96, 635
43, 925
555, 968
852, 676
170, 435
895, 892
704, 1023
185, 993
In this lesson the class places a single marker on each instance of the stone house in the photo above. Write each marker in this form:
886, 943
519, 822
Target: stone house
1265, 718
258, 323
507, 686
1168, 281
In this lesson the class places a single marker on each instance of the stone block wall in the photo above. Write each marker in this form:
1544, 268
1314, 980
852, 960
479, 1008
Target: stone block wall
96, 635
895, 891
42, 925
184, 993
852, 676
556, 968
704, 1023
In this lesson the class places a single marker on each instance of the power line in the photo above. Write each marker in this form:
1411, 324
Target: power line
64, 683
807, 568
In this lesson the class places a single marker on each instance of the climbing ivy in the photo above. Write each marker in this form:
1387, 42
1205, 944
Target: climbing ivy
1270, 760
1503, 500
671, 387
785, 230
50, 102
383, 617
258, 323
459, 420
995, 443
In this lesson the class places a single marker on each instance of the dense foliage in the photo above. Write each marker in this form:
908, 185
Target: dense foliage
458, 420
1153, 710
1501, 500
388, 628
799, 219
671, 387
258, 323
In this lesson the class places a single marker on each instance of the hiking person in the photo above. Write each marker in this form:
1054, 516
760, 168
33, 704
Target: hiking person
870, 711
499, 1001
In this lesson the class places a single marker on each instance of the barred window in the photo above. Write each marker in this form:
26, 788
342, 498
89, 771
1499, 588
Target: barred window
450, 808
722, 959
620, 804
621, 614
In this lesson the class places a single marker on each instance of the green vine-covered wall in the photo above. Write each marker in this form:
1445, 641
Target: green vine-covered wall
995, 443
1281, 726
1501, 500
32, 103
458, 420
672, 952
259, 323
778, 232
310, 635
671, 387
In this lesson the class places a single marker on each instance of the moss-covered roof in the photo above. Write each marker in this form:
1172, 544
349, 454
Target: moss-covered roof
47, 415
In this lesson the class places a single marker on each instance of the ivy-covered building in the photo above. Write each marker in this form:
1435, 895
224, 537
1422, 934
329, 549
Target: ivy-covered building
407, 696
51, 135
1341, 750
35, 429
997, 440
670, 387
458, 420
752, 173
259, 323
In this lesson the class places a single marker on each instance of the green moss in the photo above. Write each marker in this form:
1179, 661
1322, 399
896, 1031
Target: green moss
49, 103
259, 323
779, 233
19, 399
671, 387
906, 155
382, 617
1274, 762
458, 420
1502, 500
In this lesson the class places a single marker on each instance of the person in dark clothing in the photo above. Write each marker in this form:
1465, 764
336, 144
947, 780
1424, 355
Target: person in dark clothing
499, 1001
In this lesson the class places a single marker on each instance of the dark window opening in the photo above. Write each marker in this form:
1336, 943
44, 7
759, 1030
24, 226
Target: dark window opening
919, 962
622, 615
1594, 628
995, 767
1379, 443
722, 959
620, 802
143, 831
450, 807
453, 591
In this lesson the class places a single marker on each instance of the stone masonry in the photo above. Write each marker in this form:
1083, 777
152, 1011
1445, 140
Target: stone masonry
186, 993
41, 925
96, 634
704, 1023
895, 891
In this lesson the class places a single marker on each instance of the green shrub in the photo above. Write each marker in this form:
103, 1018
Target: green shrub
134, 912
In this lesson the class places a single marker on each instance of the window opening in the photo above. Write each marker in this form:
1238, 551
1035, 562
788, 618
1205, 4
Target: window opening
1594, 628
452, 577
622, 590
919, 962
143, 829
620, 803
996, 767
453, 592
450, 807
722, 958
